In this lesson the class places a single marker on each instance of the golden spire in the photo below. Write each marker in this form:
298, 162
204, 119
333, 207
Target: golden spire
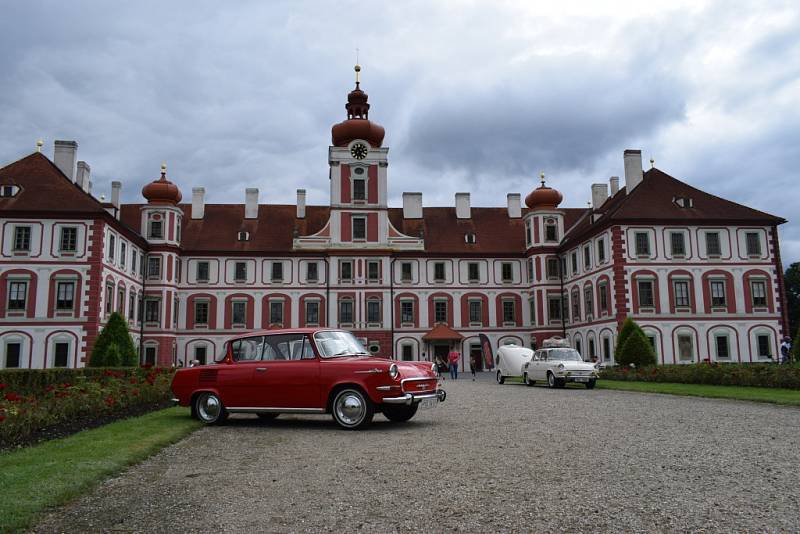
652, 162
164, 169
357, 68
39, 144
541, 176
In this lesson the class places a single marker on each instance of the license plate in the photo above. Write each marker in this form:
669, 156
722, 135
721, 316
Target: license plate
427, 404
582, 379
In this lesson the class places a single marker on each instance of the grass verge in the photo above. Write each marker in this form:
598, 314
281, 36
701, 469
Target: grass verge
772, 395
36, 478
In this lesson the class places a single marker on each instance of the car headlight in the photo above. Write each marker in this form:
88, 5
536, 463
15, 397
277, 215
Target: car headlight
561, 367
393, 371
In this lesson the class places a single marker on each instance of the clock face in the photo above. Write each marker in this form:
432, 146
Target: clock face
359, 151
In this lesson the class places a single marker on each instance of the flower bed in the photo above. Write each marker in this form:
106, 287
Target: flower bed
32, 401
727, 374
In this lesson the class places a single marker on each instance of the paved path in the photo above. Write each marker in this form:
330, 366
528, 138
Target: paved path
492, 459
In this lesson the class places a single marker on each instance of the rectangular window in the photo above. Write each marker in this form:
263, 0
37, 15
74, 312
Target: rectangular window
588, 301
506, 271
509, 311
552, 268
359, 189
277, 271
473, 272
200, 312
576, 306
112, 247
359, 228
764, 346
312, 312
123, 253
69, 239
606, 349
677, 243
239, 311
475, 311
17, 295
152, 310
713, 246
121, 301
22, 238
753, 243
373, 311
131, 306
61, 356
276, 312
13, 353
532, 309
346, 311
109, 299
202, 271
718, 297
554, 308
240, 271
156, 230
601, 250
408, 353
758, 288
530, 270
65, 296
175, 312
603, 288
134, 261
685, 347
440, 311
200, 354
153, 268
642, 240
405, 272
312, 272
574, 259
407, 311
438, 272
723, 350
587, 258
346, 270
551, 232
681, 288
373, 271
646, 296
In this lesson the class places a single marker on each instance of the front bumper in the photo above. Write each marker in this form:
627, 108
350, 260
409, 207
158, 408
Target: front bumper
410, 398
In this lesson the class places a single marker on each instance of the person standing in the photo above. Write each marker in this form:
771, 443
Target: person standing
786, 350
473, 365
453, 358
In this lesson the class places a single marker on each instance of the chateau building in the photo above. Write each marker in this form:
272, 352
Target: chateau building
701, 274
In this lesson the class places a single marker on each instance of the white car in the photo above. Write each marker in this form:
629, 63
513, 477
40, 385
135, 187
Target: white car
510, 360
558, 366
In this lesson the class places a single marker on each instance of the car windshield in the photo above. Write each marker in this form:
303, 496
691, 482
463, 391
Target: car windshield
333, 343
564, 355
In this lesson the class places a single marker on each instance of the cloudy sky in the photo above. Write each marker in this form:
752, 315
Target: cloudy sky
474, 96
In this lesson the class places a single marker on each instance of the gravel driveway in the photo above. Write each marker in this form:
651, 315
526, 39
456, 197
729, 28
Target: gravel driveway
492, 458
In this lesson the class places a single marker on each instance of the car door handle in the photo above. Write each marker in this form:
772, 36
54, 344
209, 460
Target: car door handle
261, 369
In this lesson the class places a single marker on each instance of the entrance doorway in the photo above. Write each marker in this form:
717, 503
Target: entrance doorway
476, 353
440, 353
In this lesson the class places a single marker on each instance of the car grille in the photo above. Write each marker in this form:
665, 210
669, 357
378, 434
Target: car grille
580, 373
419, 386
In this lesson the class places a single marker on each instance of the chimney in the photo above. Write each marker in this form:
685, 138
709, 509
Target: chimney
64, 155
514, 205
251, 203
116, 187
82, 178
614, 181
633, 169
412, 205
198, 202
462, 206
301, 203
599, 195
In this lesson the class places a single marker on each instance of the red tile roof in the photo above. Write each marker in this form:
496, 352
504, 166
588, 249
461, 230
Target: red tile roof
442, 332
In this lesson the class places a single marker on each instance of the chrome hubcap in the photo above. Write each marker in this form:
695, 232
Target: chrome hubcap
551, 379
209, 408
350, 408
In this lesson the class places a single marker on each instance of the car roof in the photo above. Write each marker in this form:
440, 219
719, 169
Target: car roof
278, 331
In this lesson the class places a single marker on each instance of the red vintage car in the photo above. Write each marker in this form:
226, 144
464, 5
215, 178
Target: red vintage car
306, 371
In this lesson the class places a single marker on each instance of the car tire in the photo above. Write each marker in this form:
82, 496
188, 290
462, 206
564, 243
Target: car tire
552, 381
590, 384
500, 378
400, 413
267, 416
352, 409
209, 409
528, 382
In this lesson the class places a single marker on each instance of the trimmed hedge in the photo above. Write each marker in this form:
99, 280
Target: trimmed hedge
726, 374
637, 351
32, 399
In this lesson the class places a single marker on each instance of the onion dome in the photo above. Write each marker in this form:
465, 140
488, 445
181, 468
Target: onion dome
162, 191
357, 125
543, 197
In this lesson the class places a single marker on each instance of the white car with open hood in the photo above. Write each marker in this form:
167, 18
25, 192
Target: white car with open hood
558, 366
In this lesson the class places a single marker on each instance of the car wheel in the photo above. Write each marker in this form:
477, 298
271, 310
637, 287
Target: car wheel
528, 382
400, 413
352, 409
500, 378
551, 380
209, 409
268, 416
590, 384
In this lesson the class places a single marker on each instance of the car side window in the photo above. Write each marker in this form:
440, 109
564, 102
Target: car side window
247, 349
287, 347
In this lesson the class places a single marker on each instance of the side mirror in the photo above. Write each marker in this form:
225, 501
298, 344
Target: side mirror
192, 363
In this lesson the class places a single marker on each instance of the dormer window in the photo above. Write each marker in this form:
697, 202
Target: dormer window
550, 230
683, 202
7, 191
470, 238
243, 236
156, 230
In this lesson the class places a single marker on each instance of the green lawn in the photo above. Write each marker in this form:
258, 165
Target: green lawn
773, 395
36, 478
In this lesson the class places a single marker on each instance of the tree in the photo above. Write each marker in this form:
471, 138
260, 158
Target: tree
791, 279
114, 346
628, 327
637, 350
796, 347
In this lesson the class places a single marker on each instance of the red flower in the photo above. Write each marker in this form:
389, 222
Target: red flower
2, 386
108, 372
49, 388
133, 380
2, 418
13, 397
110, 401
135, 392
66, 385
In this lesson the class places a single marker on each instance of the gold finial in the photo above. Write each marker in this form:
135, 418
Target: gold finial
39, 144
541, 176
652, 162
164, 169
357, 68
